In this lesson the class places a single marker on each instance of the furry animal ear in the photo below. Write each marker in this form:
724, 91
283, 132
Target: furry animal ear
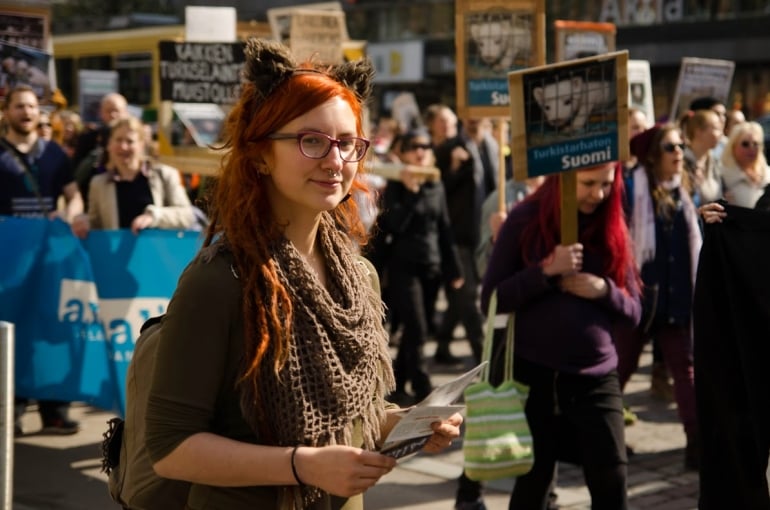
357, 76
268, 64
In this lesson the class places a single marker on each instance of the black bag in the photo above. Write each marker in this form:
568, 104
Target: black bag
132, 480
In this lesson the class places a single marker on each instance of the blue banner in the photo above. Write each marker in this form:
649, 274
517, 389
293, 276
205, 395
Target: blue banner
78, 305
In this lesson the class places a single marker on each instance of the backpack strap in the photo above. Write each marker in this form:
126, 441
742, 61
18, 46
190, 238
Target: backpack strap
29, 176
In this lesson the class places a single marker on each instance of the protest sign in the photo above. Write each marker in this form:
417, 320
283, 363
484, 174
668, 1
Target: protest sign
581, 39
700, 77
494, 37
93, 85
200, 72
279, 18
640, 88
24, 27
568, 116
24, 65
318, 35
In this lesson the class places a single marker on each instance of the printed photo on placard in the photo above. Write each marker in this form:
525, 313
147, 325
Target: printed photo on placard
570, 115
499, 41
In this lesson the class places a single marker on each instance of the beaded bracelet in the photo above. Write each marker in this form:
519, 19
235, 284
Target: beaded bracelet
294, 467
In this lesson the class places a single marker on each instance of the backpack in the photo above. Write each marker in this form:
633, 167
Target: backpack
132, 480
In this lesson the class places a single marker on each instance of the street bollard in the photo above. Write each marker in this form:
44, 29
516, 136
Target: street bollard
7, 344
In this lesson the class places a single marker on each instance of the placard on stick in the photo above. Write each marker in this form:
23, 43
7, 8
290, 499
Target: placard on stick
318, 35
700, 77
569, 116
581, 39
494, 37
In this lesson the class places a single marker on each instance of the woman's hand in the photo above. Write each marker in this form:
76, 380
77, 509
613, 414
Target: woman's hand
712, 212
457, 283
81, 226
563, 260
341, 470
585, 285
443, 433
141, 222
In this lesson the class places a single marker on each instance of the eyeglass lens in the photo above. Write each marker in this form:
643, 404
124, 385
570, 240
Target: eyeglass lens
317, 146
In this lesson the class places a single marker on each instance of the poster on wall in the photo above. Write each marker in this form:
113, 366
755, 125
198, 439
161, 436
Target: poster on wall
494, 37
570, 115
700, 77
581, 39
640, 88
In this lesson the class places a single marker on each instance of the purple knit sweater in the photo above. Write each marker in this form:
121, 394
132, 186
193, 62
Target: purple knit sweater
555, 329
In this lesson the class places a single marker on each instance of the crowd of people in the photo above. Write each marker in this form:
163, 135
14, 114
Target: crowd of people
281, 282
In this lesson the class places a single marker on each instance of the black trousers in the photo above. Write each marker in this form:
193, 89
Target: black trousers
408, 287
587, 413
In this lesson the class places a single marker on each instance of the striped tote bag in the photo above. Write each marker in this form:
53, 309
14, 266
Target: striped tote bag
497, 442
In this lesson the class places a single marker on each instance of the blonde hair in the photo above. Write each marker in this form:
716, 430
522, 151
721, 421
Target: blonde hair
757, 171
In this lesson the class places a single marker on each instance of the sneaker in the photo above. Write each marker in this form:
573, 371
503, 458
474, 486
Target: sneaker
61, 427
471, 505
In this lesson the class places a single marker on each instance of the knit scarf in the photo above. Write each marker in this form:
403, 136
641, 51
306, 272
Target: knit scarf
338, 369
643, 221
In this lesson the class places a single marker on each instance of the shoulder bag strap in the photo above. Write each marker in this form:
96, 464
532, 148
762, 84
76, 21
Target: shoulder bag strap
486, 354
29, 177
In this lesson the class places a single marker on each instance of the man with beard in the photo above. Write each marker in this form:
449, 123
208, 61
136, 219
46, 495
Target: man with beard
34, 173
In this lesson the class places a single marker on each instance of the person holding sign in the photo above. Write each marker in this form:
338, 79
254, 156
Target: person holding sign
569, 364
273, 365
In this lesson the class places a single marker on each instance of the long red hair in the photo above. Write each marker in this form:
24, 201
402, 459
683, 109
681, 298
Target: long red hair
607, 232
240, 209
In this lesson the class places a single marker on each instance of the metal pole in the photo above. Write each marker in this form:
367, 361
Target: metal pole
7, 355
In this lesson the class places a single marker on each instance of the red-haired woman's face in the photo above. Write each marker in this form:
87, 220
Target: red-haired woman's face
593, 187
299, 184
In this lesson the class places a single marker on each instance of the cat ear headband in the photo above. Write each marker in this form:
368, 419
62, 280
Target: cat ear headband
269, 64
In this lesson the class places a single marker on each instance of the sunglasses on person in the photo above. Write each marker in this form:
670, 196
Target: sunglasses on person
414, 146
671, 147
317, 145
748, 143
44, 124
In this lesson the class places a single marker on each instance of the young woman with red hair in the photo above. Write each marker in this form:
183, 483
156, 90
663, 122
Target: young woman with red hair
272, 368
567, 300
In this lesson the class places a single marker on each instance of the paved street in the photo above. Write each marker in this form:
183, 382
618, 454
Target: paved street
62, 473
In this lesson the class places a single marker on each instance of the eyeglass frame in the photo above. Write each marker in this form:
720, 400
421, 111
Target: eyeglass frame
332, 142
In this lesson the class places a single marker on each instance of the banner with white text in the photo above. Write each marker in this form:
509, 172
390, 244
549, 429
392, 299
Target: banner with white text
77, 306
